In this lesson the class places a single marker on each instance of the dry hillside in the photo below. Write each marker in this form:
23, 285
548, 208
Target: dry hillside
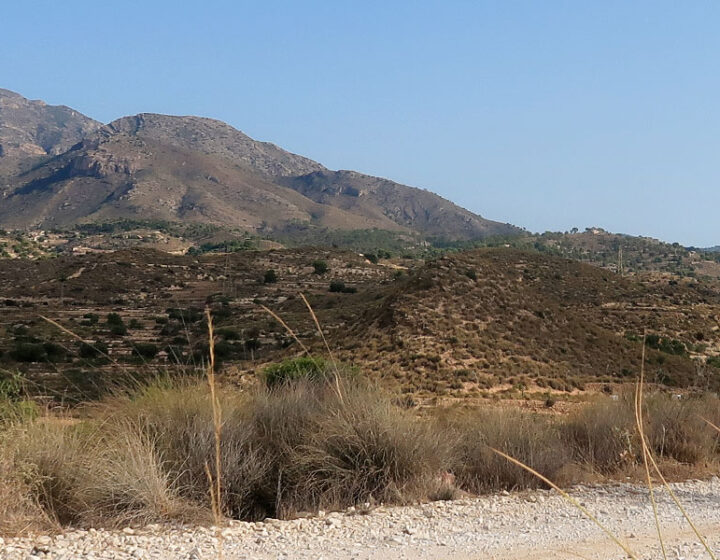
460, 325
482, 318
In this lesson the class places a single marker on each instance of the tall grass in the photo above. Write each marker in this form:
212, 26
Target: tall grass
533, 439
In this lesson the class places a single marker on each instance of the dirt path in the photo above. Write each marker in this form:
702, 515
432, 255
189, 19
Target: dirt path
524, 526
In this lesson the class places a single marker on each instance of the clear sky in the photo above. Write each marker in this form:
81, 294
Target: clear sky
545, 114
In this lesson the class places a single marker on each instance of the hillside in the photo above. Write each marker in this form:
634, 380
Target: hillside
190, 169
415, 209
479, 319
625, 254
469, 324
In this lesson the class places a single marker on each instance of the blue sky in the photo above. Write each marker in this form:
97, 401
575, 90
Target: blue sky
548, 115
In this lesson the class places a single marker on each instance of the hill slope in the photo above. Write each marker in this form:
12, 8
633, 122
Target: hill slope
493, 316
159, 167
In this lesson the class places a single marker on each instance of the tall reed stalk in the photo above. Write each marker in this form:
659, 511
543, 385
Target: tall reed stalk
215, 481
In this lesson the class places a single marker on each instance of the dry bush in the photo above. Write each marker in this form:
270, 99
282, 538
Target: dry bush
50, 459
179, 420
127, 480
298, 446
602, 435
676, 428
303, 445
364, 448
19, 510
536, 441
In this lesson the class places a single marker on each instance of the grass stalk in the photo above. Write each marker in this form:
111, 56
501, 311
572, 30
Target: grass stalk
327, 347
645, 451
216, 481
680, 507
647, 454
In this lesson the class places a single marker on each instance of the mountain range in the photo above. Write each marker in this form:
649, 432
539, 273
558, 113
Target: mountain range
59, 168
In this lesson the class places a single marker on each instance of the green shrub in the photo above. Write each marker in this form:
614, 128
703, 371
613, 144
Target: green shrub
14, 411
320, 267
338, 286
145, 350
114, 319
713, 361
292, 370
14, 407
667, 345
171, 328
189, 315
270, 277
383, 254
225, 350
90, 319
118, 330
55, 352
92, 350
228, 333
29, 352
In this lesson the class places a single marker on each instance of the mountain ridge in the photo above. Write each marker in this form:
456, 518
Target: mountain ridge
197, 169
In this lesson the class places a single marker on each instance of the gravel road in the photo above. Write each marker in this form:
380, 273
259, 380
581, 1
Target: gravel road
528, 525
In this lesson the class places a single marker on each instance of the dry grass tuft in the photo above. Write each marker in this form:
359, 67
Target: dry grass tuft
298, 446
84, 476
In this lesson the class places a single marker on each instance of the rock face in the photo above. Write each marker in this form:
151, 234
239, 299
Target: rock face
59, 168
31, 130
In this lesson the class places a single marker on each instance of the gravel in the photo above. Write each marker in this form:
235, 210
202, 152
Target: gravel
538, 524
